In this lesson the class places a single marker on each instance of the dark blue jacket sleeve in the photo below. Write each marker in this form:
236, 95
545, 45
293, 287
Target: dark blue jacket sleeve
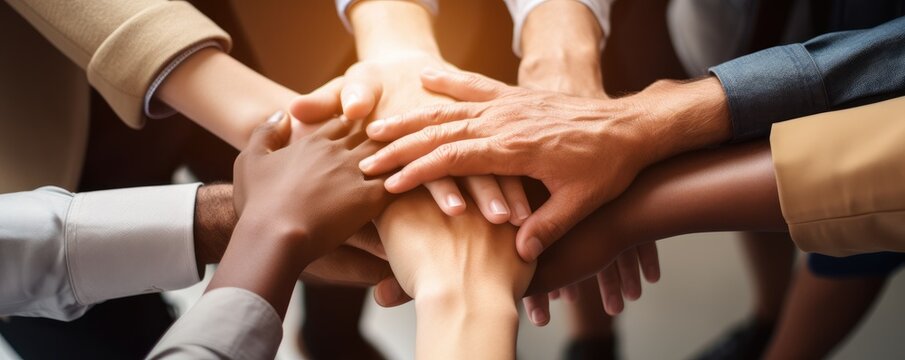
829, 72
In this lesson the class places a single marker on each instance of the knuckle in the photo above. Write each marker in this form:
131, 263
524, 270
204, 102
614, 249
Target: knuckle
447, 153
429, 135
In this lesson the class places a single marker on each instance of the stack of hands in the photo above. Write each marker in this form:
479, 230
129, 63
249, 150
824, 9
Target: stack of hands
411, 120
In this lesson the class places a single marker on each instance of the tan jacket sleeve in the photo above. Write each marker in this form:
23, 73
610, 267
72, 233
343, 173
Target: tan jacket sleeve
122, 45
841, 178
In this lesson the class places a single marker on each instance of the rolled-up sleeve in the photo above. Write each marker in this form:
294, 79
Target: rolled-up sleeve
342, 8
829, 72
62, 252
519, 10
226, 323
841, 178
122, 45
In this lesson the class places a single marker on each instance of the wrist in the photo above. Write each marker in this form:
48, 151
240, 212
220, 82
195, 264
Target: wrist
456, 324
286, 235
388, 27
680, 117
565, 72
214, 221
561, 29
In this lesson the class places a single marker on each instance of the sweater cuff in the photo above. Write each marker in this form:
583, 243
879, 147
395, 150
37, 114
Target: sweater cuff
127, 62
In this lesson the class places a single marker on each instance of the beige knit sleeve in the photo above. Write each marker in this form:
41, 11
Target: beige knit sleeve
841, 178
122, 45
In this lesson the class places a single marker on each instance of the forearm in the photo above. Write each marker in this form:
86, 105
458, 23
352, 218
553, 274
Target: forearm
223, 95
215, 218
681, 116
464, 274
262, 258
726, 189
729, 189
386, 28
467, 325
560, 49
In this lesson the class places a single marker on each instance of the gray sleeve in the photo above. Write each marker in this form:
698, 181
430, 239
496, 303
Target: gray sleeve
226, 323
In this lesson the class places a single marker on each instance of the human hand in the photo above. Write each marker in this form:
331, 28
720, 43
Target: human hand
322, 198
620, 280
467, 256
390, 85
585, 151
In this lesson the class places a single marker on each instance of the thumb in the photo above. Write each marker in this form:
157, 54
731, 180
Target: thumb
272, 135
550, 222
359, 98
319, 105
389, 293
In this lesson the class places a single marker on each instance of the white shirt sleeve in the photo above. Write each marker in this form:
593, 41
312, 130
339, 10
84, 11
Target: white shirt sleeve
519, 10
226, 323
342, 6
62, 252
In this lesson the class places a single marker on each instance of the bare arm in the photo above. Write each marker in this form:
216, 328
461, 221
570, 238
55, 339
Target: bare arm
727, 189
223, 95
463, 273
560, 49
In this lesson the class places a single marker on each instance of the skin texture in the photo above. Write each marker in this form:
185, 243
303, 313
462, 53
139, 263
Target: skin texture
462, 310
547, 136
561, 53
360, 261
291, 215
385, 81
706, 185
465, 281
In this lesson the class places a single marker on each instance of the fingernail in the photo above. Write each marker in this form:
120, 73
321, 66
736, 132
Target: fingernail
534, 248
498, 208
392, 181
454, 201
389, 296
521, 211
276, 117
538, 317
612, 303
376, 126
654, 273
367, 162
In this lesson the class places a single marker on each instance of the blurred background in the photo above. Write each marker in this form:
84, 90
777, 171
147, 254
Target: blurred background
704, 290
705, 287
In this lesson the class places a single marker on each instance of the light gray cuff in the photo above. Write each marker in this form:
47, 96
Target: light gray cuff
227, 323
131, 241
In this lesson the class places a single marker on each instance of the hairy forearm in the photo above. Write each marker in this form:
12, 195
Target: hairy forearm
560, 49
223, 95
683, 116
215, 219
728, 189
388, 28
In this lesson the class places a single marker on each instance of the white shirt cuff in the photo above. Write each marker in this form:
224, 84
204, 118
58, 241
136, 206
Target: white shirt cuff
155, 109
519, 10
231, 323
131, 241
342, 6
